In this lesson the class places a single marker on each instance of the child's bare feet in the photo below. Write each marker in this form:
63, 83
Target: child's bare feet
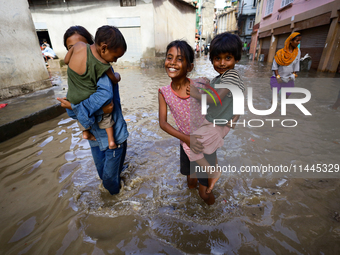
88, 135
208, 198
212, 179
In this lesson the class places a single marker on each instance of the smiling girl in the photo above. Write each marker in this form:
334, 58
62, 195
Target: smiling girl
185, 110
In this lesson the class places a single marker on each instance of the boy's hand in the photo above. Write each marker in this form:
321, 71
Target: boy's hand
233, 120
64, 103
117, 75
194, 92
108, 108
195, 145
188, 90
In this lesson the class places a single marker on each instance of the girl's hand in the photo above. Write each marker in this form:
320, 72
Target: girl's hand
278, 78
195, 145
233, 120
64, 103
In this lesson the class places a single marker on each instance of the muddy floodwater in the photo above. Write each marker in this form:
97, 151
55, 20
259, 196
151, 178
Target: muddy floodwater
52, 201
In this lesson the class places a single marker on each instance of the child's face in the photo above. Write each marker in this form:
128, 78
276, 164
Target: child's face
111, 55
224, 62
176, 65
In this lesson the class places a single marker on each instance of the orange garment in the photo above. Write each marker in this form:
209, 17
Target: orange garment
283, 57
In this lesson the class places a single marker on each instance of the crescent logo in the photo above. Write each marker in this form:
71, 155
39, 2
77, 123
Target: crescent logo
213, 90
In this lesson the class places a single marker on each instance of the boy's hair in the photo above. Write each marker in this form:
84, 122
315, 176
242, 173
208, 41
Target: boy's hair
111, 36
226, 43
80, 31
185, 49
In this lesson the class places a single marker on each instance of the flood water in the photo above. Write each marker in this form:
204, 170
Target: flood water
52, 201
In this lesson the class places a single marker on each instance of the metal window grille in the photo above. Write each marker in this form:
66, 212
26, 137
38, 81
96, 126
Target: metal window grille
251, 23
269, 7
286, 2
127, 3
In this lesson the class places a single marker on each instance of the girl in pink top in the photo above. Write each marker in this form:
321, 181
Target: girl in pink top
185, 110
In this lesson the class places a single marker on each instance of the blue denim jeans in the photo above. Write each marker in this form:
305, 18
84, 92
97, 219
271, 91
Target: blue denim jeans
109, 164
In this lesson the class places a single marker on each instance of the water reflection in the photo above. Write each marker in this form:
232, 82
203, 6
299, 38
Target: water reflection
53, 201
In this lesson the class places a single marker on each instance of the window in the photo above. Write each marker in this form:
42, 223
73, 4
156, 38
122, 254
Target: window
127, 3
286, 2
251, 23
270, 6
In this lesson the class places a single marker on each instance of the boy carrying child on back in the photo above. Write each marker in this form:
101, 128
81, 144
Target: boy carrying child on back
87, 63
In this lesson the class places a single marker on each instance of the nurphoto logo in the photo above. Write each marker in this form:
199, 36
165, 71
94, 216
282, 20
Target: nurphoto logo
238, 105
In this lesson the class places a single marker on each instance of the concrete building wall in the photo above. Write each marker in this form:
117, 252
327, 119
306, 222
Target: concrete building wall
314, 20
173, 20
248, 26
259, 9
93, 14
299, 6
208, 15
246, 16
226, 21
248, 7
22, 68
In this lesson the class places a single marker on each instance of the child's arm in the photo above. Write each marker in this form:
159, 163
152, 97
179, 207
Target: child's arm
234, 119
66, 104
163, 122
68, 56
196, 146
88, 109
114, 77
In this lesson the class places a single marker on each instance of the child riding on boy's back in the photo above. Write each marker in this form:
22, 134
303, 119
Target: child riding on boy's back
225, 52
87, 63
185, 110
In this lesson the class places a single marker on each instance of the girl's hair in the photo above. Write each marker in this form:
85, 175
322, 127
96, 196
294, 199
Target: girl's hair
226, 43
111, 36
80, 31
185, 49
296, 37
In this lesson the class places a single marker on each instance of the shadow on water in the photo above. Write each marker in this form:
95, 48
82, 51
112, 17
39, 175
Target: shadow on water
52, 201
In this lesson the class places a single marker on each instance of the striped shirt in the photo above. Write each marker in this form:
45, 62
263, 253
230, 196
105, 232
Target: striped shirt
224, 111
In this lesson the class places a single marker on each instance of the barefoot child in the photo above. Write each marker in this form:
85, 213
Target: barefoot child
185, 110
87, 63
109, 168
225, 52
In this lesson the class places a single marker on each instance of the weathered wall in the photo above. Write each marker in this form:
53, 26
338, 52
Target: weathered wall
226, 21
299, 7
259, 9
173, 20
22, 68
94, 14
208, 15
